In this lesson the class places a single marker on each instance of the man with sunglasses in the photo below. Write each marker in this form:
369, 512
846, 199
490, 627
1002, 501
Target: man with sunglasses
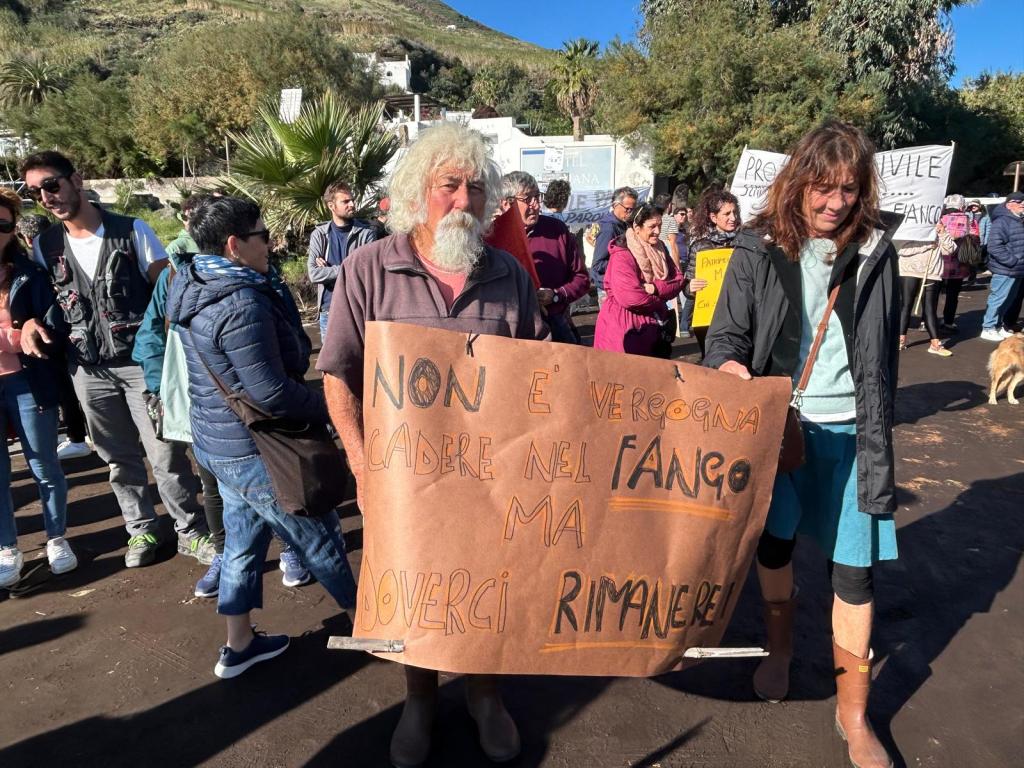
103, 267
556, 256
612, 225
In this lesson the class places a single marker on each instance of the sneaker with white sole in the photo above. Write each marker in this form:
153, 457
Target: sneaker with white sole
70, 450
992, 334
263, 647
295, 573
1006, 332
940, 351
209, 584
11, 562
61, 558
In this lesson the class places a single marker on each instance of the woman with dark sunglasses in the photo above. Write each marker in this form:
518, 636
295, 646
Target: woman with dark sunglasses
238, 322
28, 398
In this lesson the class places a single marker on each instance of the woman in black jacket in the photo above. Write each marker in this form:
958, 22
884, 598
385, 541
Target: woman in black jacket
822, 229
715, 224
28, 398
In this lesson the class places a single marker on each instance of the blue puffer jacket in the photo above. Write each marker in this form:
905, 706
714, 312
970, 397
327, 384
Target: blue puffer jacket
610, 229
253, 340
1006, 243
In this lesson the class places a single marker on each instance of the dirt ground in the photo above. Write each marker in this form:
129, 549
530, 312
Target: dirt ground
109, 667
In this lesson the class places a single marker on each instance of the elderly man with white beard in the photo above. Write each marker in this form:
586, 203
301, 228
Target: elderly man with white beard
435, 271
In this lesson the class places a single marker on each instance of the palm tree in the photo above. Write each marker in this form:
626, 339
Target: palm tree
285, 167
29, 81
576, 85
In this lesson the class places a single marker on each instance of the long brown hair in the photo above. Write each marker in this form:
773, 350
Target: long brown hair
822, 156
12, 203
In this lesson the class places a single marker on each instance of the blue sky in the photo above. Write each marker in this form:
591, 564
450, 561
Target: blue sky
989, 33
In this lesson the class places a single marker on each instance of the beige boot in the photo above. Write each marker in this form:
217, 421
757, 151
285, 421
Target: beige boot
410, 743
853, 682
771, 679
499, 737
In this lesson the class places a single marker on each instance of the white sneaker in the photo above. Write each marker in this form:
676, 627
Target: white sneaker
10, 566
992, 334
70, 450
1006, 332
61, 558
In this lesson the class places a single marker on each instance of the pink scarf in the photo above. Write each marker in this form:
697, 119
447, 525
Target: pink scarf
650, 258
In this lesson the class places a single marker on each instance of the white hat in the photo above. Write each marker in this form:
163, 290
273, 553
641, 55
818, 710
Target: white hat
954, 201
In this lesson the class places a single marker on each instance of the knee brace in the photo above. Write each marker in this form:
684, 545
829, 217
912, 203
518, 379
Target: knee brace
851, 584
774, 553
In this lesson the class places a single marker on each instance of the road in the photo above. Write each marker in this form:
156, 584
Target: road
109, 667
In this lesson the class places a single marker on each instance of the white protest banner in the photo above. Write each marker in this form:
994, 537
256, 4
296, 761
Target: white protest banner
588, 207
913, 184
754, 174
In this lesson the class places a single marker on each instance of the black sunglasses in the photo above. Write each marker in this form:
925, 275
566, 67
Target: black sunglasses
50, 185
262, 234
6, 227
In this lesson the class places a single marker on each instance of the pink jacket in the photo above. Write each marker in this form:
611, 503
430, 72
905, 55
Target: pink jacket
628, 307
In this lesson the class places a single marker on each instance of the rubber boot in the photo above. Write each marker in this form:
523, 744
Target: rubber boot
410, 743
499, 737
853, 682
771, 678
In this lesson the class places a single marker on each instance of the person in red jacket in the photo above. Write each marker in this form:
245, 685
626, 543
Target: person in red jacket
640, 279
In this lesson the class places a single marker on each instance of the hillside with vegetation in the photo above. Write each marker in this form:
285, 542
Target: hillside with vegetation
164, 83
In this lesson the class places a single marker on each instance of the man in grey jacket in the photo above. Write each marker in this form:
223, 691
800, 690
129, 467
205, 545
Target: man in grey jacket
331, 242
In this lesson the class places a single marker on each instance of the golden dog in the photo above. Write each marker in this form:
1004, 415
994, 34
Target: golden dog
1006, 368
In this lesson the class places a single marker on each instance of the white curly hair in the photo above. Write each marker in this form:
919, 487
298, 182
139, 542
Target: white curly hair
447, 145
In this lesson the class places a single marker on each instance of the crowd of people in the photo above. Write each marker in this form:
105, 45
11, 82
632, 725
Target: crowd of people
159, 351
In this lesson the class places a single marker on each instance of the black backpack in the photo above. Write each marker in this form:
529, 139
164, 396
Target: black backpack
969, 251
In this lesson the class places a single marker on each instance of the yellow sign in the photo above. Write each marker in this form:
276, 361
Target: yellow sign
711, 266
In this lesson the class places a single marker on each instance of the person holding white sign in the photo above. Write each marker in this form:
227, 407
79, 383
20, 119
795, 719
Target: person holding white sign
921, 270
817, 270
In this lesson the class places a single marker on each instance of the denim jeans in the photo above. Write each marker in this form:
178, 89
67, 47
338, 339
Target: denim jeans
251, 517
37, 430
1001, 293
324, 314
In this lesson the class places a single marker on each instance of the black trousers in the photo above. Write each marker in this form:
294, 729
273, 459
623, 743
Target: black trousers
213, 504
910, 287
70, 408
951, 287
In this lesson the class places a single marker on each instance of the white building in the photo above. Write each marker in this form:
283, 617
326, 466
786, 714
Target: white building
390, 72
594, 167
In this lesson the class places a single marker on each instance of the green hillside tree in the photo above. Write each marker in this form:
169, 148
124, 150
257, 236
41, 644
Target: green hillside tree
197, 88
576, 82
286, 167
730, 79
29, 80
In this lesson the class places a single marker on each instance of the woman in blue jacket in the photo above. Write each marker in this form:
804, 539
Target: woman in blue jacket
239, 319
28, 398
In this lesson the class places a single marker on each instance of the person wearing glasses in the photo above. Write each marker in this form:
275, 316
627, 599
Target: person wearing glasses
563, 275
239, 320
28, 398
611, 227
103, 266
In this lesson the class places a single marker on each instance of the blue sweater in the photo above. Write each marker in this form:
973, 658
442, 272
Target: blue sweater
253, 340
1006, 243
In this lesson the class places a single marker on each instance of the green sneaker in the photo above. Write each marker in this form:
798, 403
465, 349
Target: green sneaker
141, 550
197, 545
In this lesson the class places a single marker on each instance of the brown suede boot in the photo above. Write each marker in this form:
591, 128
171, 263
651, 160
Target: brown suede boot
499, 737
853, 682
410, 743
771, 678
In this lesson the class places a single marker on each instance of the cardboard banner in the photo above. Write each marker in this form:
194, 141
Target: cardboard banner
711, 265
913, 184
540, 508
